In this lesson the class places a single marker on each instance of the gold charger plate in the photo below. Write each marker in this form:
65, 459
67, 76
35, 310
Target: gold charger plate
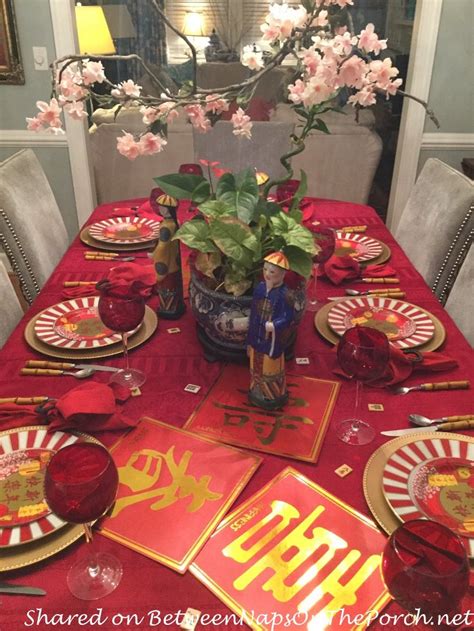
373, 473
26, 554
150, 323
322, 326
86, 238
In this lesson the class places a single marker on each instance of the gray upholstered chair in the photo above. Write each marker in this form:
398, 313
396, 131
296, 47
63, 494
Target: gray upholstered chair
262, 152
10, 309
460, 303
32, 231
436, 221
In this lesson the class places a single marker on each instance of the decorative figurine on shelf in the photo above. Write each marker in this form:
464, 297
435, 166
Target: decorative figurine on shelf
271, 316
217, 51
167, 259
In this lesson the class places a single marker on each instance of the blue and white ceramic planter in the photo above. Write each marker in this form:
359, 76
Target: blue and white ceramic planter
222, 319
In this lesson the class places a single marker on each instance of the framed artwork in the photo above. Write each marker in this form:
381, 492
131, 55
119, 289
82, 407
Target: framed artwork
11, 69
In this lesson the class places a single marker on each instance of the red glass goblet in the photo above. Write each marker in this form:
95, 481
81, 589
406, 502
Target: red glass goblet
286, 191
426, 570
325, 238
80, 485
190, 169
363, 354
123, 314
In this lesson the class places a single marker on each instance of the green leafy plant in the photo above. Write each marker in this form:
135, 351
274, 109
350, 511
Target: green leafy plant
236, 227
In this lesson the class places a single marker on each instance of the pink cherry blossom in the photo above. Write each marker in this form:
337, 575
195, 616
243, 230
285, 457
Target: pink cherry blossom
35, 124
352, 72
364, 98
369, 40
216, 104
392, 87
150, 114
296, 91
344, 43
242, 124
49, 113
76, 110
311, 59
282, 20
93, 72
382, 72
251, 58
321, 19
128, 146
127, 89
198, 118
151, 143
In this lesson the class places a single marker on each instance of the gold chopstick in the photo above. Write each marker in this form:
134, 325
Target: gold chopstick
79, 283
353, 229
25, 400
382, 279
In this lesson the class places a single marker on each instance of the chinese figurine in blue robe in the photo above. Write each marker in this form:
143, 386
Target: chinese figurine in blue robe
271, 316
167, 259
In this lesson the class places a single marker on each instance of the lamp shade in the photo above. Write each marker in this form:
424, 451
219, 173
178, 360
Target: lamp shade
93, 31
119, 21
193, 24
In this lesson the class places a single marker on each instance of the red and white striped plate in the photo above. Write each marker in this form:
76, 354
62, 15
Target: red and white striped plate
404, 324
433, 478
125, 230
24, 454
75, 324
358, 246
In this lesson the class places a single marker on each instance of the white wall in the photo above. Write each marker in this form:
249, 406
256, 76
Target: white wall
452, 88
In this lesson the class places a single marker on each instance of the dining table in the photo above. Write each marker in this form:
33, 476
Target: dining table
148, 590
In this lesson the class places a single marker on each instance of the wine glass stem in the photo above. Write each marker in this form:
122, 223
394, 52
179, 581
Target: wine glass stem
125, 350
358, 394
93, 564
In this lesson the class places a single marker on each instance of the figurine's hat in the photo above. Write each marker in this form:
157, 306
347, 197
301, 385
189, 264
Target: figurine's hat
278, 259
262, 177
167, 200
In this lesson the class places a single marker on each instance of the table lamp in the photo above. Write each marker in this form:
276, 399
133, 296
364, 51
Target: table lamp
93, 31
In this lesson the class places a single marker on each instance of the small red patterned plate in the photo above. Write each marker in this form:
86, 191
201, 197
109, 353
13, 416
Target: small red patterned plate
433, 478
404, 324
75, 324
24, 455
358, 246
125, 230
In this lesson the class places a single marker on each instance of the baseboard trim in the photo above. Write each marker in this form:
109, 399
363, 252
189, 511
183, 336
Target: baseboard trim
447, 141
25, 138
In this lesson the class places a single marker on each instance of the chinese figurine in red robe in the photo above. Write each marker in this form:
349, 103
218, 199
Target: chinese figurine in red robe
271, 316
167, 260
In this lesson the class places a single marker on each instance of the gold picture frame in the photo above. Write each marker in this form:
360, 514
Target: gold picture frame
11, 68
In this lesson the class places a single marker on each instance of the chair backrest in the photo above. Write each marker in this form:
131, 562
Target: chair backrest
460, 303
10, 309
262, 152
436, 220
32, 230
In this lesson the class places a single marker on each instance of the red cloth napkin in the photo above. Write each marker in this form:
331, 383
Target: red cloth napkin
401, 365
130, 279
144, 211
341, 268
77, 292
90, 407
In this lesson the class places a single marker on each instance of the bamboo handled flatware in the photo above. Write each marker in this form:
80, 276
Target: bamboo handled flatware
434, 387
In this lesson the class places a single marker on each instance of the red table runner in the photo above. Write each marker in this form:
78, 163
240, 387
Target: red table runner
148, 590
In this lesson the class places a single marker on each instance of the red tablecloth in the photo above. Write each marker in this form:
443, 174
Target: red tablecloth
171, 362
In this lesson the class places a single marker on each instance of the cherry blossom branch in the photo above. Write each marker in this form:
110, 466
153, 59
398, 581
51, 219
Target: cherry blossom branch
428, 110
192, 48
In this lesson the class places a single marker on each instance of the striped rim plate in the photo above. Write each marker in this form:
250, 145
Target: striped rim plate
125, 230
433, 478
358, 246
24, 515
75, 325
404, 324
